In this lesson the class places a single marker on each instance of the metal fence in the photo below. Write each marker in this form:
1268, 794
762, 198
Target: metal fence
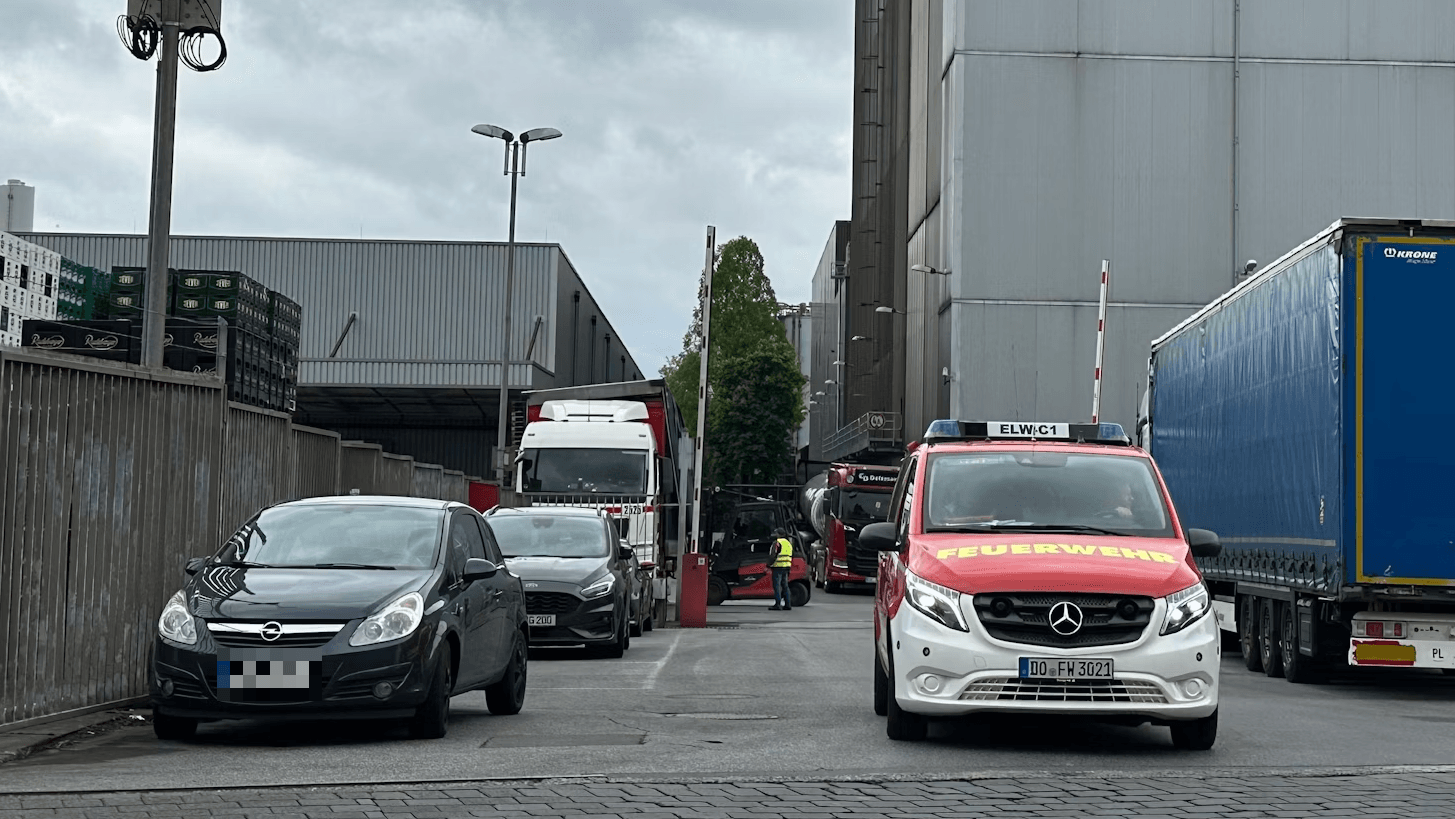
110, 478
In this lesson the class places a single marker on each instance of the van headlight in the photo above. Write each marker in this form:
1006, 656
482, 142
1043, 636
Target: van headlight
935, 601
398, 619
176, 623
1185, 608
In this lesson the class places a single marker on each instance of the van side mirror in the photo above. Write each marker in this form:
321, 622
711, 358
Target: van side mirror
478, 568
881, 537
1204, 543
197, 564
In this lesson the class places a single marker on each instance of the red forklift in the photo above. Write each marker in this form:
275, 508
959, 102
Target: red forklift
742, 532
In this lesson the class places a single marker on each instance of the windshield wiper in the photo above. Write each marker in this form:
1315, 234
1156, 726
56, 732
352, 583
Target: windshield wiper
1004, 526
1067, 527
241, 564
335, 566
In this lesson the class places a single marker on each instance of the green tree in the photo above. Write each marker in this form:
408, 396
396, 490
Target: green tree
754, 383
757, 402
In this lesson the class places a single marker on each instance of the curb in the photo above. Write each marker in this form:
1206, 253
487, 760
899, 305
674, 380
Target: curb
19, 743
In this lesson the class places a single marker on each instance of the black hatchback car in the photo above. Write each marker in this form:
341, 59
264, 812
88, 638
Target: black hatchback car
343, 607
576, 572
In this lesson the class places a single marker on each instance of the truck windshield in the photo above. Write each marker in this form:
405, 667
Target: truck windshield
1044, 491
588, 471
863, 507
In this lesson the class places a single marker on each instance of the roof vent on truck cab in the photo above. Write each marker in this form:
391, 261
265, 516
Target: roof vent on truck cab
948, 429
594, 411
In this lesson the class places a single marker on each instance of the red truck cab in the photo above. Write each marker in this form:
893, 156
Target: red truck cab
858, 495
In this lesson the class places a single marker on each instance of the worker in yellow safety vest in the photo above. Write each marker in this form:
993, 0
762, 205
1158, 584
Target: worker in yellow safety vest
780, 560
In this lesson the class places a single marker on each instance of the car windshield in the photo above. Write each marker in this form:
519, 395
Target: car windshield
396, 537
863, 507
593, 471
1046, 491
549, 536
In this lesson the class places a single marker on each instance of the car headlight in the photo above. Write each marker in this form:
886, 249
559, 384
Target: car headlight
398, 619
176, 623
1185, 608
600, 587
935, 601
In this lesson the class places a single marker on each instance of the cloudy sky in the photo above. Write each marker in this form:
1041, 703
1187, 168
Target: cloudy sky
349, 118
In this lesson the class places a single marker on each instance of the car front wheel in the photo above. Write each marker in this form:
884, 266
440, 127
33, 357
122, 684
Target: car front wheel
507, 696
432, 719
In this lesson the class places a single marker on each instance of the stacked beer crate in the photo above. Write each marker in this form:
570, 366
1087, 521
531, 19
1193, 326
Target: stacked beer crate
262, 331
28, 279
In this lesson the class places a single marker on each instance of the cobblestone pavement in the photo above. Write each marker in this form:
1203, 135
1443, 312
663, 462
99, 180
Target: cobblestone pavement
1223, 796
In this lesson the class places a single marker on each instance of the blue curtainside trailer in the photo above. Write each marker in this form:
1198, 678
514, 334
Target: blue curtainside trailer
1307, 417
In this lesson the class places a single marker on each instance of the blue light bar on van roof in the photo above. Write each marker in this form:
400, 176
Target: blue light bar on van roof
948, 429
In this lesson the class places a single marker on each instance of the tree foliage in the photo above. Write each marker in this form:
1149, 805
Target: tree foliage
754, 384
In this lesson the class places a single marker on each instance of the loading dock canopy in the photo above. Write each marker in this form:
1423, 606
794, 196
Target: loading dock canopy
380, 406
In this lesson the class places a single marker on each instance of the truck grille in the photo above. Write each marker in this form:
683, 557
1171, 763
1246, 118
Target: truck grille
861, 560
1109, 619
550, 603
1017, 690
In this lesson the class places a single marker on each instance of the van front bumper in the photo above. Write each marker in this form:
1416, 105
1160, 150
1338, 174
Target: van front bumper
940, 671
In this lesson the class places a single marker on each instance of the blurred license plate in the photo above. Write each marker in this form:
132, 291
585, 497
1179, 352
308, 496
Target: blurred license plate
540, 619
260, 674
871, 580
1065, 668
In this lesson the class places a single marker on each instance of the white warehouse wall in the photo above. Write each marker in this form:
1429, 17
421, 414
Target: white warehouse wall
1080, 130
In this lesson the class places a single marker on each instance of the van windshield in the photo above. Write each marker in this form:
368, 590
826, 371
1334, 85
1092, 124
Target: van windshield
586, 471
1044, 490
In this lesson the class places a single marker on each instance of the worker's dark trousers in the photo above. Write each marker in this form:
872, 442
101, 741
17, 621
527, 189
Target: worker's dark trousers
780, 588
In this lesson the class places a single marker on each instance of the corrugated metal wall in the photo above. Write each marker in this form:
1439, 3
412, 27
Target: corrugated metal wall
110, 478
1082, 130
429, 312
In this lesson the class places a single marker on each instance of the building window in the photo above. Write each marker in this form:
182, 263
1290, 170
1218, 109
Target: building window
24, 276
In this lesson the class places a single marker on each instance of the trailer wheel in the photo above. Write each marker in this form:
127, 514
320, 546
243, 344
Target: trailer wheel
1268, 638
1248, 633
1296, 667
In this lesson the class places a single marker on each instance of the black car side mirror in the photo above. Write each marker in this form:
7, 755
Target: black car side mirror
881, 537
197, 564
624, 552
478, 568
1204, 543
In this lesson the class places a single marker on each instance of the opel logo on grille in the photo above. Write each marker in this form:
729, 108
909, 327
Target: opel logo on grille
1066, 618
271, 631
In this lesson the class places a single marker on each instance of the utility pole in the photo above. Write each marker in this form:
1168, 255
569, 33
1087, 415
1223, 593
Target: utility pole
149, 26
159, 227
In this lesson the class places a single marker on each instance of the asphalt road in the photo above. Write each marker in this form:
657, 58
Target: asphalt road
761, 694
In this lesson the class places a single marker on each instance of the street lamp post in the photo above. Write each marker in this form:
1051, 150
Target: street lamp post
515, 150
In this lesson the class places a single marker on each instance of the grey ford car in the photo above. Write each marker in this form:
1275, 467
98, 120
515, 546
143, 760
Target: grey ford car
576, 572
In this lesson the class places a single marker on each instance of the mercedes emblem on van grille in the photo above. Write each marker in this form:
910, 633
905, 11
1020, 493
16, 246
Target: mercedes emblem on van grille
1066, 618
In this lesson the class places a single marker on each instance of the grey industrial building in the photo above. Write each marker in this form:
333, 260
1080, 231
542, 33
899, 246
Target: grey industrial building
401, 341
1018, 143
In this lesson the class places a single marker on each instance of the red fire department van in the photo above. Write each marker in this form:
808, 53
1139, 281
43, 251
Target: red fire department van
858, 495
1041, 568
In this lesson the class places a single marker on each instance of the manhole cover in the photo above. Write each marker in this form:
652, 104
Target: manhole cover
722, 716
562, 740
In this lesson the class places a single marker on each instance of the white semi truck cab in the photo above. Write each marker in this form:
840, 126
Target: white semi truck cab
599, 454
